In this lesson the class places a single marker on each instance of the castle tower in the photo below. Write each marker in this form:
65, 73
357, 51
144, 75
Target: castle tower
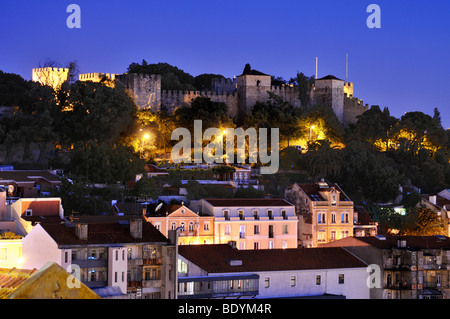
348, 89
50, 76
145, 89
329, 91
252, 87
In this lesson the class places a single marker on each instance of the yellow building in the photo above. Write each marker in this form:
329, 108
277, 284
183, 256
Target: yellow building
326, 212
194, 228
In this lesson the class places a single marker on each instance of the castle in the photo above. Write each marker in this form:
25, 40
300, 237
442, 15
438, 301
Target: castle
239, 94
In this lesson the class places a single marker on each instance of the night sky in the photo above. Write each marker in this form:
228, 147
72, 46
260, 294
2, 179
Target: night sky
404, 65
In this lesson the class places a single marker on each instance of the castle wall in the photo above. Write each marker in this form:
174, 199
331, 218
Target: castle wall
145, 89
287, 93
96, 77
174, 99
352, 108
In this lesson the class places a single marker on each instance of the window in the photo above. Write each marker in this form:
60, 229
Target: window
29, 212
344, 234
255, 214
158, 226
66, 256
271, 231
241, 214
123, 254
173, 226
3, 253
344, 218
293, 281
284, 214
117, 256
227, 229
256, 245
115, 276
285, 229
333, 218
321, 218
341, 279
129, 253
183, 226
317, 280
321, 236
270, 244
258, 83
333, 235
270, 214
226, 214
242, 231
266, 282
333, 200
256, 229
191, 227
206, 226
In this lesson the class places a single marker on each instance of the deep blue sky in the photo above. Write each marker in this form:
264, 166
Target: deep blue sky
404, 65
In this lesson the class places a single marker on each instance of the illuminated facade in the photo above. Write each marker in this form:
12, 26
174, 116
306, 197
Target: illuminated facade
253, 223
326, 212
194, 228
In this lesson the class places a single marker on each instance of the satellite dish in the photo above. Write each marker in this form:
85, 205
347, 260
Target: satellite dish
158, 207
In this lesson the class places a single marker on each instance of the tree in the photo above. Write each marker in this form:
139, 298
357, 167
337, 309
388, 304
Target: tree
247, 69
146, 187
325, 161
423, 221
203, 82
172, 78
304, 84
95, 111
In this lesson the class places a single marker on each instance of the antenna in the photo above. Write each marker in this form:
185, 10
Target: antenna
346, 67
317, 67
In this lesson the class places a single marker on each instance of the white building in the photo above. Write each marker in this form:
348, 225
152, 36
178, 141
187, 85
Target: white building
130, 255
220, 271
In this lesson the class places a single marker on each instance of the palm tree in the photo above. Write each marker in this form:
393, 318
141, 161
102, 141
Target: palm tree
325, 160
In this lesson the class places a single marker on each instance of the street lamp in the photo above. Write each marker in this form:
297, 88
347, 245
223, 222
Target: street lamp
310, 132
145, 137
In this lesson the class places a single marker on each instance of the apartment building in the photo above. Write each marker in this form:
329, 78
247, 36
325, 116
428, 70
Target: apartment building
193, 228
222, 271
325, 212
253, 223
405, 267
128, 257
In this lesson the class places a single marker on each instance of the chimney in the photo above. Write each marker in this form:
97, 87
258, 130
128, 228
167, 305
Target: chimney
232, 244
136, 228
432, 199
81, 231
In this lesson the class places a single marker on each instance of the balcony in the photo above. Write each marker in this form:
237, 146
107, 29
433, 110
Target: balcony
153, 261
90, 263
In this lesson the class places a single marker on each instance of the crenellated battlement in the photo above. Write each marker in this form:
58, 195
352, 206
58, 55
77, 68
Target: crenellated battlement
51, 69
140, 76
197, 93
96, 77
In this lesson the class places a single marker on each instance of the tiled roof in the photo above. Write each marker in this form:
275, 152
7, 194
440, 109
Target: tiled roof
216, 258
11, 279
330, 77
102, 233
313, 191
253, 202
412, 242
20, 176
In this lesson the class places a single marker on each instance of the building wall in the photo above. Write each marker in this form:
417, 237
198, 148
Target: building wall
252, 89
117, 268
280, 283
11, 253
242, 229
38, 248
